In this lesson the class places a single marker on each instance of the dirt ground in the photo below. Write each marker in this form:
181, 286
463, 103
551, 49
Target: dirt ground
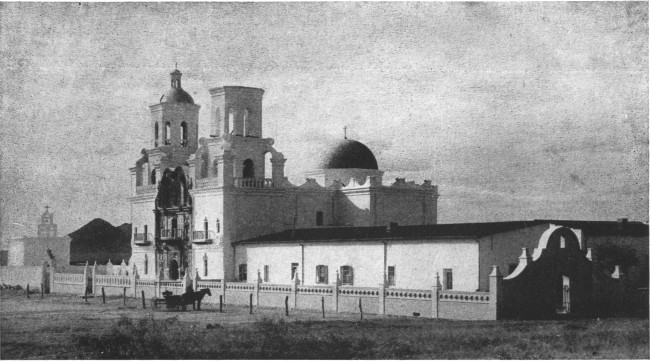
56, 327
50, 320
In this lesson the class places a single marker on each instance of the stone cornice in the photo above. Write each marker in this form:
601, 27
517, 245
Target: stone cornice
219, 90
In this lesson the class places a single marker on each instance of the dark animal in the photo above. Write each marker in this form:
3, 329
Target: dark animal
195, 297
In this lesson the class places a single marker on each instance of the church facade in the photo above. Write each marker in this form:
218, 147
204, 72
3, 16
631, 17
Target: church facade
193, 198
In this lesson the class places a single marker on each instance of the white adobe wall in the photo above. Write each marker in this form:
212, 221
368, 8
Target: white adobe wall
16, 253
216, 262
416, 262
141, 215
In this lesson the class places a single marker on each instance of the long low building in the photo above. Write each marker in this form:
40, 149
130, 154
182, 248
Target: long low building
457, 257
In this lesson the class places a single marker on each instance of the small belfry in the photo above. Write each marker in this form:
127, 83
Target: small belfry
47, 228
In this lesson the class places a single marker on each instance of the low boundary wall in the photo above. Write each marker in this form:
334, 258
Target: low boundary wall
433, 303
24, 275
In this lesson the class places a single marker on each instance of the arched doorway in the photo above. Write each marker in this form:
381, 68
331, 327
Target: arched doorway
173, 269
249, 170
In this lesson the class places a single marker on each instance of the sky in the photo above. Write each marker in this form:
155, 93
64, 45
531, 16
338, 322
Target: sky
515, 110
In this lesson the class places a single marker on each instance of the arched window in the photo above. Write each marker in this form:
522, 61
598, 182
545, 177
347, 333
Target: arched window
205, 227
168, 134
218, 226
249, 170
155, 133
215, 168
268, 166
183, 134
204, 165
231, 119
146, 264
153, 177
205, 265
245, 123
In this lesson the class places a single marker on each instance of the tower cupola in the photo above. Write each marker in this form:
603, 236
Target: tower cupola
176, 92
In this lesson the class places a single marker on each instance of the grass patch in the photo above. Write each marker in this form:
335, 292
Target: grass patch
374, 339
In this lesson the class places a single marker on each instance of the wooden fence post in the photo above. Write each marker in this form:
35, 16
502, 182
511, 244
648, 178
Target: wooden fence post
382, 299
360, 309
27, 291
124, 294
223, 291
86, 295
42, 290
134, 282
322, 305
221, 303
103, 296
286, 306
143, 305
335, 292
250, 304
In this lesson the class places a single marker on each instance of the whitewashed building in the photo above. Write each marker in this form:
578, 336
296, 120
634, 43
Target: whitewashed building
193, 197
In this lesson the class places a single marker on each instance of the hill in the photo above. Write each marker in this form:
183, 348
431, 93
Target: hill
100, 241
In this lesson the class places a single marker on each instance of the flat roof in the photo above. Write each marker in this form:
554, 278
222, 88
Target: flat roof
441, 231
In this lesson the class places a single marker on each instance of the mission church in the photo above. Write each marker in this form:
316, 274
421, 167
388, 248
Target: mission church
220, 208
192, 197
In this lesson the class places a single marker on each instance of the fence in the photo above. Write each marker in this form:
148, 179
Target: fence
433, 303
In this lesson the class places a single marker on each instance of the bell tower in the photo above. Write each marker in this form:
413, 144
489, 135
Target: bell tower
175, 120
47, 228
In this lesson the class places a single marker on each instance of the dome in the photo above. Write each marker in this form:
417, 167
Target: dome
178, 95
348, 154
176, 92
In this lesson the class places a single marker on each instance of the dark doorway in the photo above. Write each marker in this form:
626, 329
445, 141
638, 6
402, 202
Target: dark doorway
173, 269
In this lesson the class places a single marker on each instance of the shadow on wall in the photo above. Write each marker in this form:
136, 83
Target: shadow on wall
556, 281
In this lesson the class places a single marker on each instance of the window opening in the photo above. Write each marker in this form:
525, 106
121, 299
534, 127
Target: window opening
205, 265
321, 274
183, 134
155, 132
391, 275
266, 273
231, 120
242, 272
448, 279
249, 171
245, 123
347, 277
168, 134
294, 268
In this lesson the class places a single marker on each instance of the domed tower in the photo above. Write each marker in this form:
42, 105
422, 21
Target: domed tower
175, 119
344, 160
